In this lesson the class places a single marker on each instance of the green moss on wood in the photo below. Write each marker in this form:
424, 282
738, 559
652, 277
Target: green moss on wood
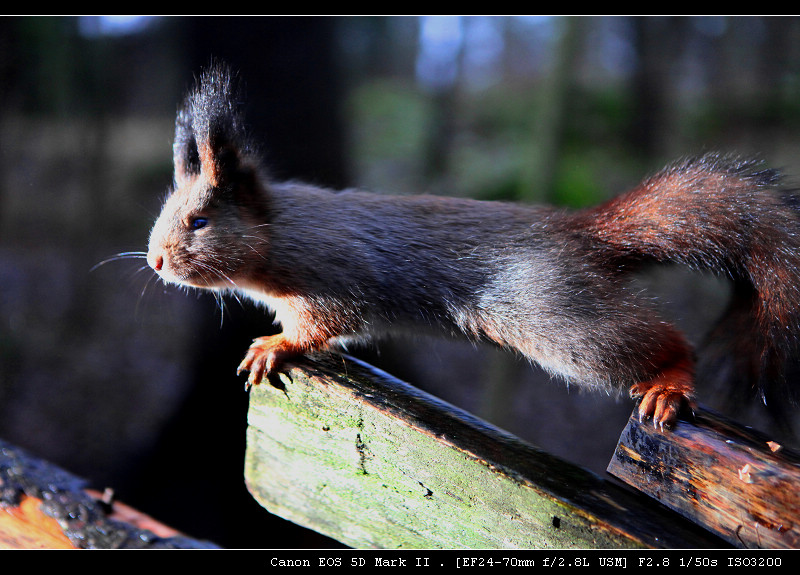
375, 463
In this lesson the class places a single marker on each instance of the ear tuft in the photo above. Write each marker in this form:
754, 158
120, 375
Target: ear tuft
184, 149
209, 132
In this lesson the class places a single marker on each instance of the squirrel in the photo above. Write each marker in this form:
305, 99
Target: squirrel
337, 267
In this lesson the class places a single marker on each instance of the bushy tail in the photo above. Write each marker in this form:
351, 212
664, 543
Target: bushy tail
731, 216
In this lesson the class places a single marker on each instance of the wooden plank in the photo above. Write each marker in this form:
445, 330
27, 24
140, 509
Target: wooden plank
730, 479
24, 526
44, 507
373, 462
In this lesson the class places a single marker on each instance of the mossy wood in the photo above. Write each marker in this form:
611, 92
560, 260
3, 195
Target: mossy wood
731, 480
372, 462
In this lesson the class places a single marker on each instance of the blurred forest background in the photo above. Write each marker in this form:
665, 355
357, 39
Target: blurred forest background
132, 384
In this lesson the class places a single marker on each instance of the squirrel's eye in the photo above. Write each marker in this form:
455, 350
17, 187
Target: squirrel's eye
198, 223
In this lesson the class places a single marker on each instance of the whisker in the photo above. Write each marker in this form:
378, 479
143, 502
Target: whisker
151, 280
254, 249
119, 256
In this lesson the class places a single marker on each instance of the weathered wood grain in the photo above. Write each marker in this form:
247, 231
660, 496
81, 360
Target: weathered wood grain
375, 463
720, 475
44, 507
25, 526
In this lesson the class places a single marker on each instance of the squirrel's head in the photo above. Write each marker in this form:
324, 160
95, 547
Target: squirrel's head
204, 231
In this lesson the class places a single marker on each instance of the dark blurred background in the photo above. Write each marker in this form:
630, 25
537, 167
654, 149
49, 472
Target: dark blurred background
132, 385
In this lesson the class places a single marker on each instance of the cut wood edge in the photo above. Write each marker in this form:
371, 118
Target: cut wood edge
734, 481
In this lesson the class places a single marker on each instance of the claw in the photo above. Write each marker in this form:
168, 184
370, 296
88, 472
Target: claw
663, 400
670, 390
265, 358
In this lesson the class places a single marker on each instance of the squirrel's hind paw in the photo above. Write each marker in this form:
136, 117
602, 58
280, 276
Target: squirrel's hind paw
662, 400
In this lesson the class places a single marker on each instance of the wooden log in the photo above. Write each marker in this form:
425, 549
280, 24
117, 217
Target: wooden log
730, 479
25, 526
44, 507
370, 461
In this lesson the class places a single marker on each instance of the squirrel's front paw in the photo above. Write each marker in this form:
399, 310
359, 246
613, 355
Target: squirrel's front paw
266, 358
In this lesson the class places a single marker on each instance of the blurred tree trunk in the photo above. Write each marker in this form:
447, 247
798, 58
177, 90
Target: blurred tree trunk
7, 79
554, 100
292, 103
291, 87
659, 45
777, 57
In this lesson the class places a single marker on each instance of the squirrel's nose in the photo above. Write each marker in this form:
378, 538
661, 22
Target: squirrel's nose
156, 261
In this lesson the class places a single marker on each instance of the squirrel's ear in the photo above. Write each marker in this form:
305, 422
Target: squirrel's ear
221, 155
209, 133
185, 156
